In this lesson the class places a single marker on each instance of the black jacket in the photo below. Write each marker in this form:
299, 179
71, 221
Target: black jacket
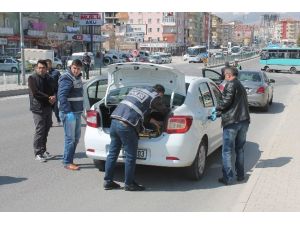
234, 104
40, 89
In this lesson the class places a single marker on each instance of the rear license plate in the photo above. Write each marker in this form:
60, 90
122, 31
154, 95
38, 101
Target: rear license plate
141, 154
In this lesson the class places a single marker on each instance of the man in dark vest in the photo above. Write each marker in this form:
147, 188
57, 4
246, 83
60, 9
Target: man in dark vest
127, 122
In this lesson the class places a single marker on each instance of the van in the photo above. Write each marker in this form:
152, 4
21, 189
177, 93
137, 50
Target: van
79, 55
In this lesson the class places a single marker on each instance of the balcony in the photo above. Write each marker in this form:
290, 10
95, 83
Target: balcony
6, 31
169, 21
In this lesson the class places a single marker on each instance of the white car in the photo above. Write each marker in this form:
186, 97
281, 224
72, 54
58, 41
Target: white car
57, 63
188, 136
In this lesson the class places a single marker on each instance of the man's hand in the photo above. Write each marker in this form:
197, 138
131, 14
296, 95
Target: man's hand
155, 122
52, 100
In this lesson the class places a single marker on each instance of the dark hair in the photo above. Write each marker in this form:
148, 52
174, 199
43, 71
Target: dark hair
43, 62
77, 62
159, 88
233, 70
227, 64
48, 61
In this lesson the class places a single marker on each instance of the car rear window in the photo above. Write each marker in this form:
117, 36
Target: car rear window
249, 76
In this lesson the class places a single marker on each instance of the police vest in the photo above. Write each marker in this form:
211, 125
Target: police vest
135, 105
75, 96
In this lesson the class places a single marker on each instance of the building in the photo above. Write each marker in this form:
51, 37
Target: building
216, 31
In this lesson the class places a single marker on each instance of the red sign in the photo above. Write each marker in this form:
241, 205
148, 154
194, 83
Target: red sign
77, 37
135, 53
90, 16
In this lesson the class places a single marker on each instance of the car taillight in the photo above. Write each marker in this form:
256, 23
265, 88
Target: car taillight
260, 90
179, 124
92, 118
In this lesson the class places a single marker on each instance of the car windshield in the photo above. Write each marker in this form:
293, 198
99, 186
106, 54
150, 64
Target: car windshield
117, 95
249, 76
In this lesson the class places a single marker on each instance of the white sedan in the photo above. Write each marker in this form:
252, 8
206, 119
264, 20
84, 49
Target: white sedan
188, 136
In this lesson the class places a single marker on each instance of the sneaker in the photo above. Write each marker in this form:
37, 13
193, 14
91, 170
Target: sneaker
40, 158
109, 185
47, 155
223, 181
134, 187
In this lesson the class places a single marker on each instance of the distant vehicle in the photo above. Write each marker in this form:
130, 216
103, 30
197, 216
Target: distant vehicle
157, 59
188, 135
79, 55
57, 63
13, 65
236, 50
166, 57
257, 84
277, 59
197, 54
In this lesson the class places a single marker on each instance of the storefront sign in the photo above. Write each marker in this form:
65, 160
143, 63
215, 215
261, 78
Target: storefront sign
3, 41
91, 19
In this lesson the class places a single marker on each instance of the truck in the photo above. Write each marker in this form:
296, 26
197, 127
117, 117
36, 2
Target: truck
33, 55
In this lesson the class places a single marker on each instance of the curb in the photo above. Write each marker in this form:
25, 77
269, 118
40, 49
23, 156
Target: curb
16, 92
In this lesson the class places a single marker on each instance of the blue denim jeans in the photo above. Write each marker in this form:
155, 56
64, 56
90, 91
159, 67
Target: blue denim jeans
234, 138
72, 131
122, 135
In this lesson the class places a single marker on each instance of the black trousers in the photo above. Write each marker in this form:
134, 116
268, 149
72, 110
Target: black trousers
42, 122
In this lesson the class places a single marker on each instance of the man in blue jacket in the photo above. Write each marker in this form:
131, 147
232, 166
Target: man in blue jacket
70, 100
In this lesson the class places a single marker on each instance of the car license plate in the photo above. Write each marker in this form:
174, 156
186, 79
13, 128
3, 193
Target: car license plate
141, 154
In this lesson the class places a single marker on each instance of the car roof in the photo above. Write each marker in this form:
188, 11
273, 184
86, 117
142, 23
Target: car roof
189, 79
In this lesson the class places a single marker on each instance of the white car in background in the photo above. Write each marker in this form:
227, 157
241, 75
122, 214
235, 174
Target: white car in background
188, 135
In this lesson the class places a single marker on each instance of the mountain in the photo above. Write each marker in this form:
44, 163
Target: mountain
254, 17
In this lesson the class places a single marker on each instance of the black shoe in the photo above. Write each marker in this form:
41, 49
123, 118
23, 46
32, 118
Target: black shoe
134, 187
240, 178
223, 181
109, 185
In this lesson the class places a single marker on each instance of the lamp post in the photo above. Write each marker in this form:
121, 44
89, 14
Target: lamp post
22, 50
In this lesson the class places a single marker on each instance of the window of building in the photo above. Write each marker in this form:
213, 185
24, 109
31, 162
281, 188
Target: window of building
158, 39
158, 20
140, 21
149, 30
149, 38
158, 29
131, 21
149, 21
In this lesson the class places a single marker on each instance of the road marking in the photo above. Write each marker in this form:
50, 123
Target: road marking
13, 97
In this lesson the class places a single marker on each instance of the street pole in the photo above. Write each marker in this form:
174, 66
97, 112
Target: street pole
101, 56
22, 49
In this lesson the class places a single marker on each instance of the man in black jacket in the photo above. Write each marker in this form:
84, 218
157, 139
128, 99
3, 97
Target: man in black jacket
42, 97
235, 121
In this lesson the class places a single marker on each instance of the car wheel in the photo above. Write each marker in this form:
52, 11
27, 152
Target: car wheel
265, 108
99, 164
107, 61
14, 70
271, 101
58, 67
293, 70
196, 170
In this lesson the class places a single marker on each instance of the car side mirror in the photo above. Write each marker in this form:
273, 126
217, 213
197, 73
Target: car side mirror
272, 81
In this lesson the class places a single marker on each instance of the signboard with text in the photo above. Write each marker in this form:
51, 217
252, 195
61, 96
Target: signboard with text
91, 19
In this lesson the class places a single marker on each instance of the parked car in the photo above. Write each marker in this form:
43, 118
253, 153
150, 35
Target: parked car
13, 65
257, 84
57, 63
188, 135
157, 59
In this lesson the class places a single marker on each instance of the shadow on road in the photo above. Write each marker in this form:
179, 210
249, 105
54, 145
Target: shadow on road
275, 108
11, 180
175, 179
278, 162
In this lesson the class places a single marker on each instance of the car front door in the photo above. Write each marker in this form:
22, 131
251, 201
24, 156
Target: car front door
213, 75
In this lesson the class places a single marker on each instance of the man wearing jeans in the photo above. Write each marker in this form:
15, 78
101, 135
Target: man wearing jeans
70, 100
127, 122
235, 121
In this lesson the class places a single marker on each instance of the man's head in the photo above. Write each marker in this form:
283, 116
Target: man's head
230, 73
41, 67
159, 89
49, 63
76, 67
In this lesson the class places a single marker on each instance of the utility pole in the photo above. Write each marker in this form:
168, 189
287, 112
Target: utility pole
101, 56
22, 49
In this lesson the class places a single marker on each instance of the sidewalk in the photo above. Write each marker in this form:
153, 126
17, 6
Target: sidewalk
275, 184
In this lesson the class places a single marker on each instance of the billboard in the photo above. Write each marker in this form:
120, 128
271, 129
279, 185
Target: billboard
91, 19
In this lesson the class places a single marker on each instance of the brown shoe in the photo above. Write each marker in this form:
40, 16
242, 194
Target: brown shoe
72, 167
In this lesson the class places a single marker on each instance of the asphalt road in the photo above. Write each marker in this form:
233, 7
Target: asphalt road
27, 185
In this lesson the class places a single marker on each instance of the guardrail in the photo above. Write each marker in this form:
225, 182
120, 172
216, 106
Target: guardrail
213, 62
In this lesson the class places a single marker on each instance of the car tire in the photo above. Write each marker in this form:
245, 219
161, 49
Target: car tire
293, 70
266, 68
58, 66
99, 164
196, 170
271, 101
265, 108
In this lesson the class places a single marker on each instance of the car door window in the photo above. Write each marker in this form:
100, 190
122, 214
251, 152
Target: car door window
205, 95
216, 92
97, 91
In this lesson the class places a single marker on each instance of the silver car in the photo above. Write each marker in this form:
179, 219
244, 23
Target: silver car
257, 84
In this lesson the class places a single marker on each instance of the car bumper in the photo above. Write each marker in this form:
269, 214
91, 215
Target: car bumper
257, 100
161, 151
